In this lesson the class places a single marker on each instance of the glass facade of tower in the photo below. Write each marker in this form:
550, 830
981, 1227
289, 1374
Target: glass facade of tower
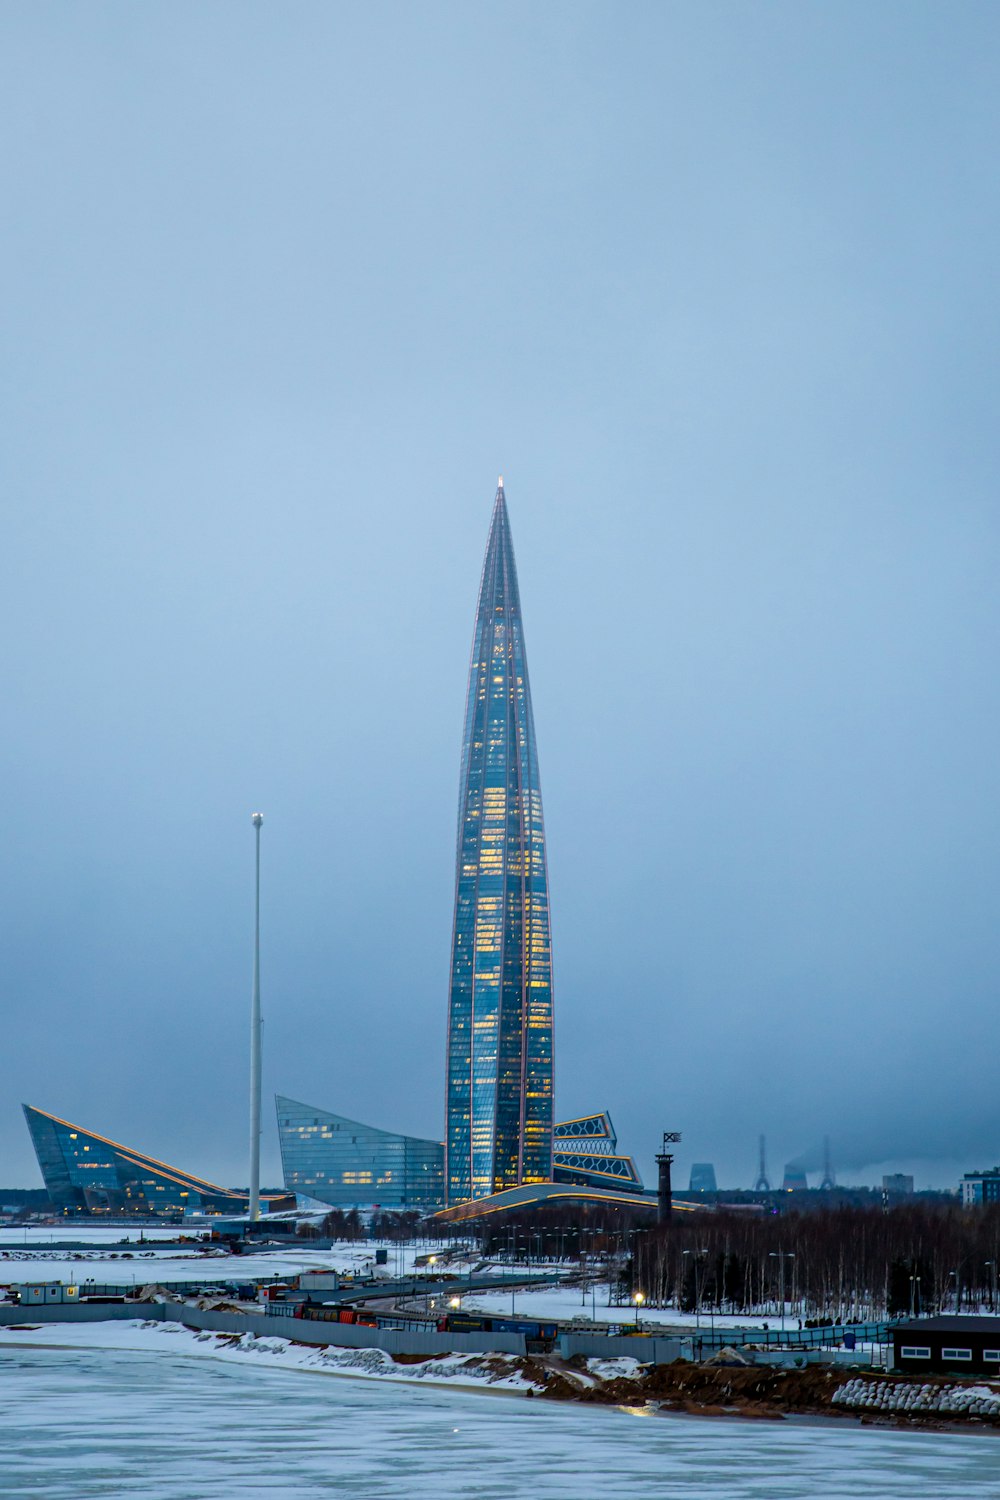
499, 1064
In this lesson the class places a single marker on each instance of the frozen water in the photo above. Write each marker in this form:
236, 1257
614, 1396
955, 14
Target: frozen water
84, 1423
26, 1235
139, 1264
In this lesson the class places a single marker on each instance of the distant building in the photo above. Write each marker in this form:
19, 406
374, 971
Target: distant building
702, 1178
86, 1172
981, 1187
794, 1180
897, 1182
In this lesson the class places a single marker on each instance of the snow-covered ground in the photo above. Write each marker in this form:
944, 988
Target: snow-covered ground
567, 1302
99, 1424
139, 1264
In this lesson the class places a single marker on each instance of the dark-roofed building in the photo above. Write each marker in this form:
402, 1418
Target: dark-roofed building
952, 1344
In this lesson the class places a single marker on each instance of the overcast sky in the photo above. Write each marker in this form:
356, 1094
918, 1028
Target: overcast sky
714, 286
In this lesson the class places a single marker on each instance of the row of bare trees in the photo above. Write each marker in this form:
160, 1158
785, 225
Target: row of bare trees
845, 1263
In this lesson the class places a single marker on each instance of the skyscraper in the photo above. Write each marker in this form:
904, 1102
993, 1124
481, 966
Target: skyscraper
499, 1066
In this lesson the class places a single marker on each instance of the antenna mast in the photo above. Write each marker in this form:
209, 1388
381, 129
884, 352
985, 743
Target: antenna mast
255, 1029
762, 1185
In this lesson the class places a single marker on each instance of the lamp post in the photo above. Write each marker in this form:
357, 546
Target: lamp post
781, 1256
914, 1295
698, 1254
254, 1204
639, 1298
993, 1284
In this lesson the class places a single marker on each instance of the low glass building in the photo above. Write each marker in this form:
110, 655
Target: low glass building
87, 1173
350, 1165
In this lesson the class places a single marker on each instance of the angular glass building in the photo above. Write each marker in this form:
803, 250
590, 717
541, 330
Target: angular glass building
350, 1165
586, 1152
499, 1058
87, 1173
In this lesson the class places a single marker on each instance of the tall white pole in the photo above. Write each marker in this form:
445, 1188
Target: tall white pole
257, 820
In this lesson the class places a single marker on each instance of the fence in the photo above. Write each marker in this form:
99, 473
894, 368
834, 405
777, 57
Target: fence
789, 1338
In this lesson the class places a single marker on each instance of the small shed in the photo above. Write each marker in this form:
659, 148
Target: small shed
37, 1293
951, 1345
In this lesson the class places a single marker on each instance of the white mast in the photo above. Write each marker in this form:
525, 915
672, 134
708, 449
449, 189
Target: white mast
255, 1028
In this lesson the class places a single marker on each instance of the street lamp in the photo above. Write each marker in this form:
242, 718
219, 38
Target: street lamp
914, 1293
698, 1254
781, 1256
638, 1299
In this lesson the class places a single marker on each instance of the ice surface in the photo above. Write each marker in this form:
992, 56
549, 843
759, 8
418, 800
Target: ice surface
90, 1424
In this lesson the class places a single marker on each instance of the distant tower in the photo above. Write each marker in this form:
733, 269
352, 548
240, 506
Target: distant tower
829, 1181
664, 1160
499, 1066
761, 1185
254, 1206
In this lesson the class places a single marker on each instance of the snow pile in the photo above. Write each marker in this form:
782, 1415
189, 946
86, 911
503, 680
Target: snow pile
497, 1371
624, 1368
884, 1395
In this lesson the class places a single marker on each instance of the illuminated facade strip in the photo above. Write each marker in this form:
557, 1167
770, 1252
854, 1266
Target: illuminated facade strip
542, 1194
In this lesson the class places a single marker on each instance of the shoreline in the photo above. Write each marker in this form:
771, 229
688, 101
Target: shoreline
745, 1394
